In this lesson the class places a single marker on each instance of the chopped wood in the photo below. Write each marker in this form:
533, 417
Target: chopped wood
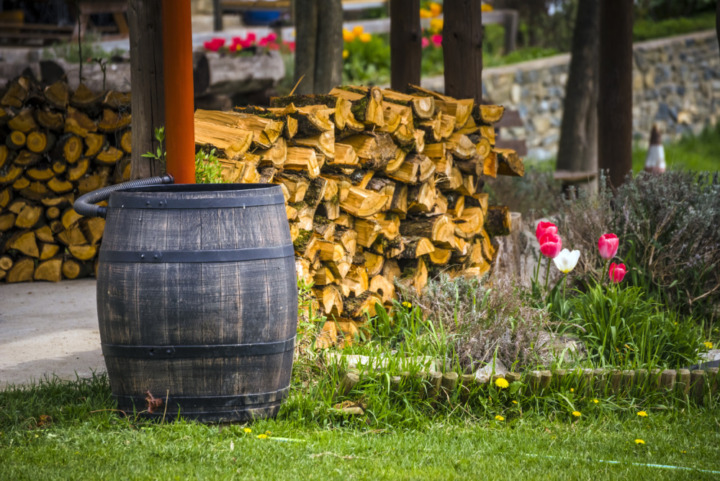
362, 202
498, 221
44, 234
21, 271
509, 163
74, 269
117, 100
16, 140
24, 121
416, 247
302, 159
49, 270
440, 256
42, 172
94, 143
86, 100
83, 252
78, 171
324, 143
488, 114
78, 123
126, 141
50, 119
28, 216
25, 242
383, 288
58, 94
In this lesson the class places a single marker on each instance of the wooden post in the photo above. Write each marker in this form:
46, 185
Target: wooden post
217, 16
667, 379
615, 90
349, 380
405, 44
697, 380
328, 58
147, 81
462, 49
683, 381
179, 107
306, 27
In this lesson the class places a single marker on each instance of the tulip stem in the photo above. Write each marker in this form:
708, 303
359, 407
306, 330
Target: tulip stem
547, 275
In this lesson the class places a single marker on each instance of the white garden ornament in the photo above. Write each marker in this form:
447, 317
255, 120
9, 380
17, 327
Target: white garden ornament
566, 260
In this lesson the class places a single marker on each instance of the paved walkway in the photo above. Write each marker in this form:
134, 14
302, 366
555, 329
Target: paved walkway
48, 329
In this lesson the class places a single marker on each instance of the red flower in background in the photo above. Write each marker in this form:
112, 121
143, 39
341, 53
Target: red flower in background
215, 44
545, 228
617, 272
436, 40
550, 245
608, 246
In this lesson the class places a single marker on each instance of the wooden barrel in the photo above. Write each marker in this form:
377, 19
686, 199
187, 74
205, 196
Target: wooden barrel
197, 301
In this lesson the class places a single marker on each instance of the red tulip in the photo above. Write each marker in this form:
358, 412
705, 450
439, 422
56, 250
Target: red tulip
608, 245
617, 272
550, 245
545, 228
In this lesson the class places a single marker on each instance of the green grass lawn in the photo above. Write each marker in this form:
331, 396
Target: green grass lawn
84, 439
698, 153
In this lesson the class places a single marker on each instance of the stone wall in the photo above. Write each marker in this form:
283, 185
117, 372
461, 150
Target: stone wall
676, 85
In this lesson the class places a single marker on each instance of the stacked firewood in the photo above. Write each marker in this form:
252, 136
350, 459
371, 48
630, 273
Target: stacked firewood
380, 186
58, 144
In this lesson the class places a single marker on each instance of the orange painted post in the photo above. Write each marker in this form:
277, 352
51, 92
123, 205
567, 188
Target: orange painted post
179, 99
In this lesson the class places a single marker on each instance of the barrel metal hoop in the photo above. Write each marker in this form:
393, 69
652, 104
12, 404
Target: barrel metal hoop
197, 351
209, 402
137, 201
198, 256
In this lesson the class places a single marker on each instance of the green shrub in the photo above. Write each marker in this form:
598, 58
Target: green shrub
621, 327
207, 168
646, 29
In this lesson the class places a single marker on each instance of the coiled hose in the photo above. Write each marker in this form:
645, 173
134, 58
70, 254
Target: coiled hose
85, 204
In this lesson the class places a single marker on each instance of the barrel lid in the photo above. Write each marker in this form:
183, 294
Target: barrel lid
197, 196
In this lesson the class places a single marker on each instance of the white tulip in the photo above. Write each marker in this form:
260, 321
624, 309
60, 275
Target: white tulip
566, 260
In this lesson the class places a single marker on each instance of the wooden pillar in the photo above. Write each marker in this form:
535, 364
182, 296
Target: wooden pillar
217, 16
179, 105
147, 83
462, 48
328, 58
306, 26
615, 90
405, 43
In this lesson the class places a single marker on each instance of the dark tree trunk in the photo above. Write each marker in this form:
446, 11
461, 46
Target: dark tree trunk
462, 49
405, 44
328, 59
615, 90
306, 26
578, 134
147, 83
717, 20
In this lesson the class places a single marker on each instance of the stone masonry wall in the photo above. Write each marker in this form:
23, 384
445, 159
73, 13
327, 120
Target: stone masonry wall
676, 85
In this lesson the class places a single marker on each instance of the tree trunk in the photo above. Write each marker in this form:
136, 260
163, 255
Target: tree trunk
615, 90
405, 44
578, 134
328, 59
147, 81
306, 26
717, 20
462, 49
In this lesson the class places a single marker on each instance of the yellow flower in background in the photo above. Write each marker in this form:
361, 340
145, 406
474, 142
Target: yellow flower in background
486, 8
435, 9
708, 344
642, 414
572, 389
365, 37
577, 414
595, 401
357, 30
499, 418
262, 436
348, 36
436, 25
406, 305
639, 441
501, 383
346, 54
514, 401
425, 13
247, 430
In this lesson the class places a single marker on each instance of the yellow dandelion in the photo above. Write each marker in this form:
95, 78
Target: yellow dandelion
348, 36
514, 401
595, 401
268, 433
642, 414
577, 414
357, 30
436, 25
262, 436
346, 54
406, 305
435, 9
425, 13
365, 37
708, 344
501, 382
639, 441
499, 418
247, 430
683, 451
572, 389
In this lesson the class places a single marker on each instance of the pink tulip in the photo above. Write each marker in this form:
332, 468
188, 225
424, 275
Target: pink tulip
436, 40
550, 245
425, 42
214, 44
608, 245
617, 272
545, 228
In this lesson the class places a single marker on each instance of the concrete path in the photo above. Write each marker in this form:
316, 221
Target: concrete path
48, 329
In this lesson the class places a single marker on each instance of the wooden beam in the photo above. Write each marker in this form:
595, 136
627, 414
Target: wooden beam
179, 108
462, 49
405, 44
147, 81
615, 90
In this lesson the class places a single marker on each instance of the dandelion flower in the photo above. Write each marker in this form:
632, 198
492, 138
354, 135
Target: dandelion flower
639, 441
595, 401
346, 54
708, 344
572, 389
365, 37
501, 382
262, 436
499, 418
406, 305
247, 430
514, 401
577, 414
642, 414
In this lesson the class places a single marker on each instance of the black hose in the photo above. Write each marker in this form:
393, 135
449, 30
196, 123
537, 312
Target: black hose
85, 204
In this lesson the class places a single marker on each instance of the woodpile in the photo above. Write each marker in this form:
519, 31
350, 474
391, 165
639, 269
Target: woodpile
59, 143
381, 187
